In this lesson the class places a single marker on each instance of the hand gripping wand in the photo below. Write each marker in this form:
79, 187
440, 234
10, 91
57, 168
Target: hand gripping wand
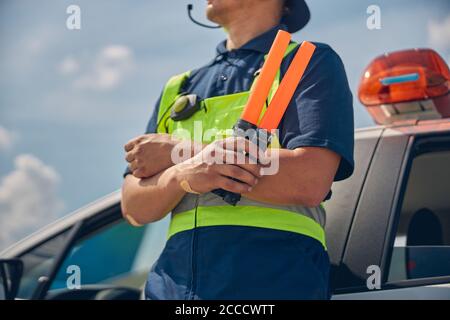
247, 126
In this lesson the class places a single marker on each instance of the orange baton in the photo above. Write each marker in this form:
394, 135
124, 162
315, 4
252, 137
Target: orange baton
280, 101
260, 91
247, 125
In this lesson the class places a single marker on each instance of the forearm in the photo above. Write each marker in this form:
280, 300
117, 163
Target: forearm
153, 153
181, 150
150, 199
304, 178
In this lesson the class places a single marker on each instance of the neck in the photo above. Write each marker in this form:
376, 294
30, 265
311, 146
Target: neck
240, 31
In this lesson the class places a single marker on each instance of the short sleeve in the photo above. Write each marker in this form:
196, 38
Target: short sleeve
152, 123
321, 111
151, 127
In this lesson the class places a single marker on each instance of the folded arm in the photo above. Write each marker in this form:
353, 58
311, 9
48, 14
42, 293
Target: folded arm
304, 177
149, 199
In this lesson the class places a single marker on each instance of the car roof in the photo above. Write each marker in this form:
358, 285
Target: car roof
410, 127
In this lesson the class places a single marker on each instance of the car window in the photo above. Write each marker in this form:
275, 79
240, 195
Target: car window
422, 243
117, 254
38, 263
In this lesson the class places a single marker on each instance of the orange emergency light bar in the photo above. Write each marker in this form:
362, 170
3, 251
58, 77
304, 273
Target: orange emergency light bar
407, 84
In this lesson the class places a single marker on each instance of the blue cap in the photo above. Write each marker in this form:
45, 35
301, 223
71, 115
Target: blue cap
296, 16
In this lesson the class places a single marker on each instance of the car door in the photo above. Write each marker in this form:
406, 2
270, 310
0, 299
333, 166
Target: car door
105, 255
340, 209
366, 236
116, 255
414, 255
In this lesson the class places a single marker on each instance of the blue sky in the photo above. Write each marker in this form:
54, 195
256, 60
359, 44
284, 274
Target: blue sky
69, 100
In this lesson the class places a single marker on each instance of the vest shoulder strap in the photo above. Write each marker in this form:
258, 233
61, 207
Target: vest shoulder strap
289, 49
170, 92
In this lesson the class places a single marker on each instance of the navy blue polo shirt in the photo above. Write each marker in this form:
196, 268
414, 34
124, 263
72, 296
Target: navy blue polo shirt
321, 111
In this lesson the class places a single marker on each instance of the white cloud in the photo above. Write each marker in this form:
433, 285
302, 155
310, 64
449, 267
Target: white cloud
28, 199
112, 64
439, 34
7, 139
68, 66
35, 46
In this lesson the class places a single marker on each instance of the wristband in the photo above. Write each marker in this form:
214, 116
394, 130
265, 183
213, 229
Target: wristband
184, 184
131, 221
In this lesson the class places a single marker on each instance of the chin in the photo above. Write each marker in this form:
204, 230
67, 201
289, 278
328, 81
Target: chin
212, 14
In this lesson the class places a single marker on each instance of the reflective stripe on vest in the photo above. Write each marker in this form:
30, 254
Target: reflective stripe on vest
247, 216
217, 116
190, 201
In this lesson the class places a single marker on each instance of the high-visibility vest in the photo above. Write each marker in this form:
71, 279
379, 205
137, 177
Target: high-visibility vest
220, 113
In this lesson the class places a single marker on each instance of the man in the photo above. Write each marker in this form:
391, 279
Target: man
272, 244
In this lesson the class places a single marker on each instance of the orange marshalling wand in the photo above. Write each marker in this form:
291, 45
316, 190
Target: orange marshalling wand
247, 126
264, 82
280, 101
